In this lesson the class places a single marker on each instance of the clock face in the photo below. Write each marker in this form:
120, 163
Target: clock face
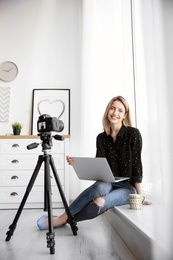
8, 71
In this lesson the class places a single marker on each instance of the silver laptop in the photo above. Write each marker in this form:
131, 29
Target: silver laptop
94, 169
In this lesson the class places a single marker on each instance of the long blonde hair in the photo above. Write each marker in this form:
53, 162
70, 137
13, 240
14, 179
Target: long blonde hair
127, 121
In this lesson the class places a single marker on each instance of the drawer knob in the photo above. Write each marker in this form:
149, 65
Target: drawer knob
13, 194
14, 177
14, 161
15, 145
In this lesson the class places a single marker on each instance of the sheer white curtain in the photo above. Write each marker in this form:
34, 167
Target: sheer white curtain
106, 63
107, 70
153, 41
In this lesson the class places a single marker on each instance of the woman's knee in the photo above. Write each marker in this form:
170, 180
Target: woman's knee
99, 201
102, 188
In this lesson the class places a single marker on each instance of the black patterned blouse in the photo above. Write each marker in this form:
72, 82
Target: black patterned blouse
124, 154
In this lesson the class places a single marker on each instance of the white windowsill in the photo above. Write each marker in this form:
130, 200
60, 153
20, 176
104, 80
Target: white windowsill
135, 227
140, 219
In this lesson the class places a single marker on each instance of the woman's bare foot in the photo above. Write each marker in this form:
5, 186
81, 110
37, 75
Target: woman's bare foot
42, 223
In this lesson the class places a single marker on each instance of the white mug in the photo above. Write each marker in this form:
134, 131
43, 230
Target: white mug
136, 201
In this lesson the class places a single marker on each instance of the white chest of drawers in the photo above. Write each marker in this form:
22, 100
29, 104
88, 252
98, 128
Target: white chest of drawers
17, 165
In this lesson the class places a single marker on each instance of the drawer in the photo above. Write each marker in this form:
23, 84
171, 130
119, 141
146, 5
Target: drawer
19, 146
21, 162
9, 195
22, 178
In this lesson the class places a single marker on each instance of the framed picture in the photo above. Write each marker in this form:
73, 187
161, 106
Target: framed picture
53, 102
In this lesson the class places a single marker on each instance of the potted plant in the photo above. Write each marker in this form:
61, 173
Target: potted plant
17, 126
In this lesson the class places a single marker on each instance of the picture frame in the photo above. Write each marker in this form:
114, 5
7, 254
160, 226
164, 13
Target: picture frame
53, 102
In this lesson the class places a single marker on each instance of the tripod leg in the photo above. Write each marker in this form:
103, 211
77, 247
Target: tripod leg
72, 223
28, 189
48, 203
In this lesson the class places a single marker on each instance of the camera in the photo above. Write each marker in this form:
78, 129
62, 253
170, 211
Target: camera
47, 123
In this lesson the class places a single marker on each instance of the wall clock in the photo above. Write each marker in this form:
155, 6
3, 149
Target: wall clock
8, 71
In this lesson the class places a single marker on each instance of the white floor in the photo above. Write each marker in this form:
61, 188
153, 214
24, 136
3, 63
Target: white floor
96, 239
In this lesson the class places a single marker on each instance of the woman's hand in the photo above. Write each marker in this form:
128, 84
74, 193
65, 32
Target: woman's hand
69, 160
146, 201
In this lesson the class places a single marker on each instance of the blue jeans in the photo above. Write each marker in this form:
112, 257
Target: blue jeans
114, 194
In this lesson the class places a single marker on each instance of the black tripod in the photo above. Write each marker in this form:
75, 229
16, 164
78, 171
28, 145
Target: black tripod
48, 161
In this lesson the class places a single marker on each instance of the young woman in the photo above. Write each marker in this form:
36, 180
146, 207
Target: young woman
121, 145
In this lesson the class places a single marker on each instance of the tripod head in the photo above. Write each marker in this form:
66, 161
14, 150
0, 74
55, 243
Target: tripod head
46, 141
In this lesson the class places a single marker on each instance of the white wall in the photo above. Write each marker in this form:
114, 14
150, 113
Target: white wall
44, 39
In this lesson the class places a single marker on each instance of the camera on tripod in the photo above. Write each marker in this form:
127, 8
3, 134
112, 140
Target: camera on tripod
46, 123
